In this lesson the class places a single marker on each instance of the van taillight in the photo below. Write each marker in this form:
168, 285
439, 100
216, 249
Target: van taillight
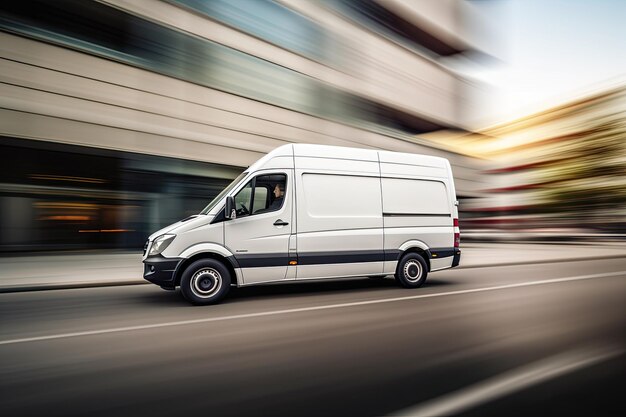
457, 233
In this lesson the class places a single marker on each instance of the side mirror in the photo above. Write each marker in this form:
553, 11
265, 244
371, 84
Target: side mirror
230, 212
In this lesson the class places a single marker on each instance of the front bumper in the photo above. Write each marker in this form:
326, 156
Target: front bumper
161, 271
457, 257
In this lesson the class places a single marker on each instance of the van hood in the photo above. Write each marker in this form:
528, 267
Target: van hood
183, 225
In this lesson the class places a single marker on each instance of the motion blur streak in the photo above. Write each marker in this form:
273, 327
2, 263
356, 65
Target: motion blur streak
509, 382
147, 109
299, 310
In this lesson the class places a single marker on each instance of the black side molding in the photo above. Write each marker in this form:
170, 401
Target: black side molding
321, 258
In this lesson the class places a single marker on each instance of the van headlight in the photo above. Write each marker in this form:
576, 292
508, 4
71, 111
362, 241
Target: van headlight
160, 243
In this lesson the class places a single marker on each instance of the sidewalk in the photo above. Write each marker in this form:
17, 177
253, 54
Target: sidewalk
80, 270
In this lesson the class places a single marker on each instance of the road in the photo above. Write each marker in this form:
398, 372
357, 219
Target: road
545, 339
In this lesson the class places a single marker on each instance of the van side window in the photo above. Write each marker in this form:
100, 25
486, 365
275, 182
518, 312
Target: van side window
263, 194
260, 198
243, 199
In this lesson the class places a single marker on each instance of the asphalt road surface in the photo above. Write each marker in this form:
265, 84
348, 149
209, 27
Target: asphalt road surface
546, 339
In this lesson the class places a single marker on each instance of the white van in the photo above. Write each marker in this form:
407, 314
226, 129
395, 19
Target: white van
305, 212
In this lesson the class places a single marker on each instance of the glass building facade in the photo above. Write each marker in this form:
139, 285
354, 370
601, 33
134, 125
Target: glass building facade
56, 196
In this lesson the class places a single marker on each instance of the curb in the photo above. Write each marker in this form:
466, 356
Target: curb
543, 261
67, 286
78, 285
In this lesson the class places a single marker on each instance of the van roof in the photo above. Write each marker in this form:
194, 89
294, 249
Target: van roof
356, 154
360, 154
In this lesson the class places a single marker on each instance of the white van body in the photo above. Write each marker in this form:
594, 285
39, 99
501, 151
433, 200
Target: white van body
345, 212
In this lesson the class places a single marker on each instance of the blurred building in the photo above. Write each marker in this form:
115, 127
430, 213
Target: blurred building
120, 116
558, 173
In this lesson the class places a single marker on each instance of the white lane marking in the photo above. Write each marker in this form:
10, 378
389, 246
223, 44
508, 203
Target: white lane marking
510, 382
304, 309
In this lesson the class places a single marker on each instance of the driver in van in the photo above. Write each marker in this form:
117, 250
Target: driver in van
279, 195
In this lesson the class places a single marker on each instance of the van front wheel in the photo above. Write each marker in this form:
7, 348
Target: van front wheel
411, 271
206, 281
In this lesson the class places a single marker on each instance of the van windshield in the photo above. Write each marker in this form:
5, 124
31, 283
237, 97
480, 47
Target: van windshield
221, 195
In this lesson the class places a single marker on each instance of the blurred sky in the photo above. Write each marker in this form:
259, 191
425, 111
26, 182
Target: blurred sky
549, 52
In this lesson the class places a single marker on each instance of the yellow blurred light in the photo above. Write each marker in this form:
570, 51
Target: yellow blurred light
66, 218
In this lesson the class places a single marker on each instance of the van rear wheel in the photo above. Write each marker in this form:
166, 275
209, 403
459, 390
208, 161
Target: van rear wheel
206, 281
411, 271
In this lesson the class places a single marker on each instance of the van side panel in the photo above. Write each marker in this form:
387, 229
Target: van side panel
339, 218
417, 197
339, 202
417, 206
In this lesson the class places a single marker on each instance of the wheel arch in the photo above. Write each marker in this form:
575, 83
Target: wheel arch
228, 262
416, 246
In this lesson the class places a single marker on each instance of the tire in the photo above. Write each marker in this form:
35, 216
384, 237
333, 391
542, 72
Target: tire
411, 271
204, 282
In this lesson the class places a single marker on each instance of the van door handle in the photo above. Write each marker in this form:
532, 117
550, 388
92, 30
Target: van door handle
279, 222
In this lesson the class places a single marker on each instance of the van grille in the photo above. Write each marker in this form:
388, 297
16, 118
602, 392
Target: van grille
145, 247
